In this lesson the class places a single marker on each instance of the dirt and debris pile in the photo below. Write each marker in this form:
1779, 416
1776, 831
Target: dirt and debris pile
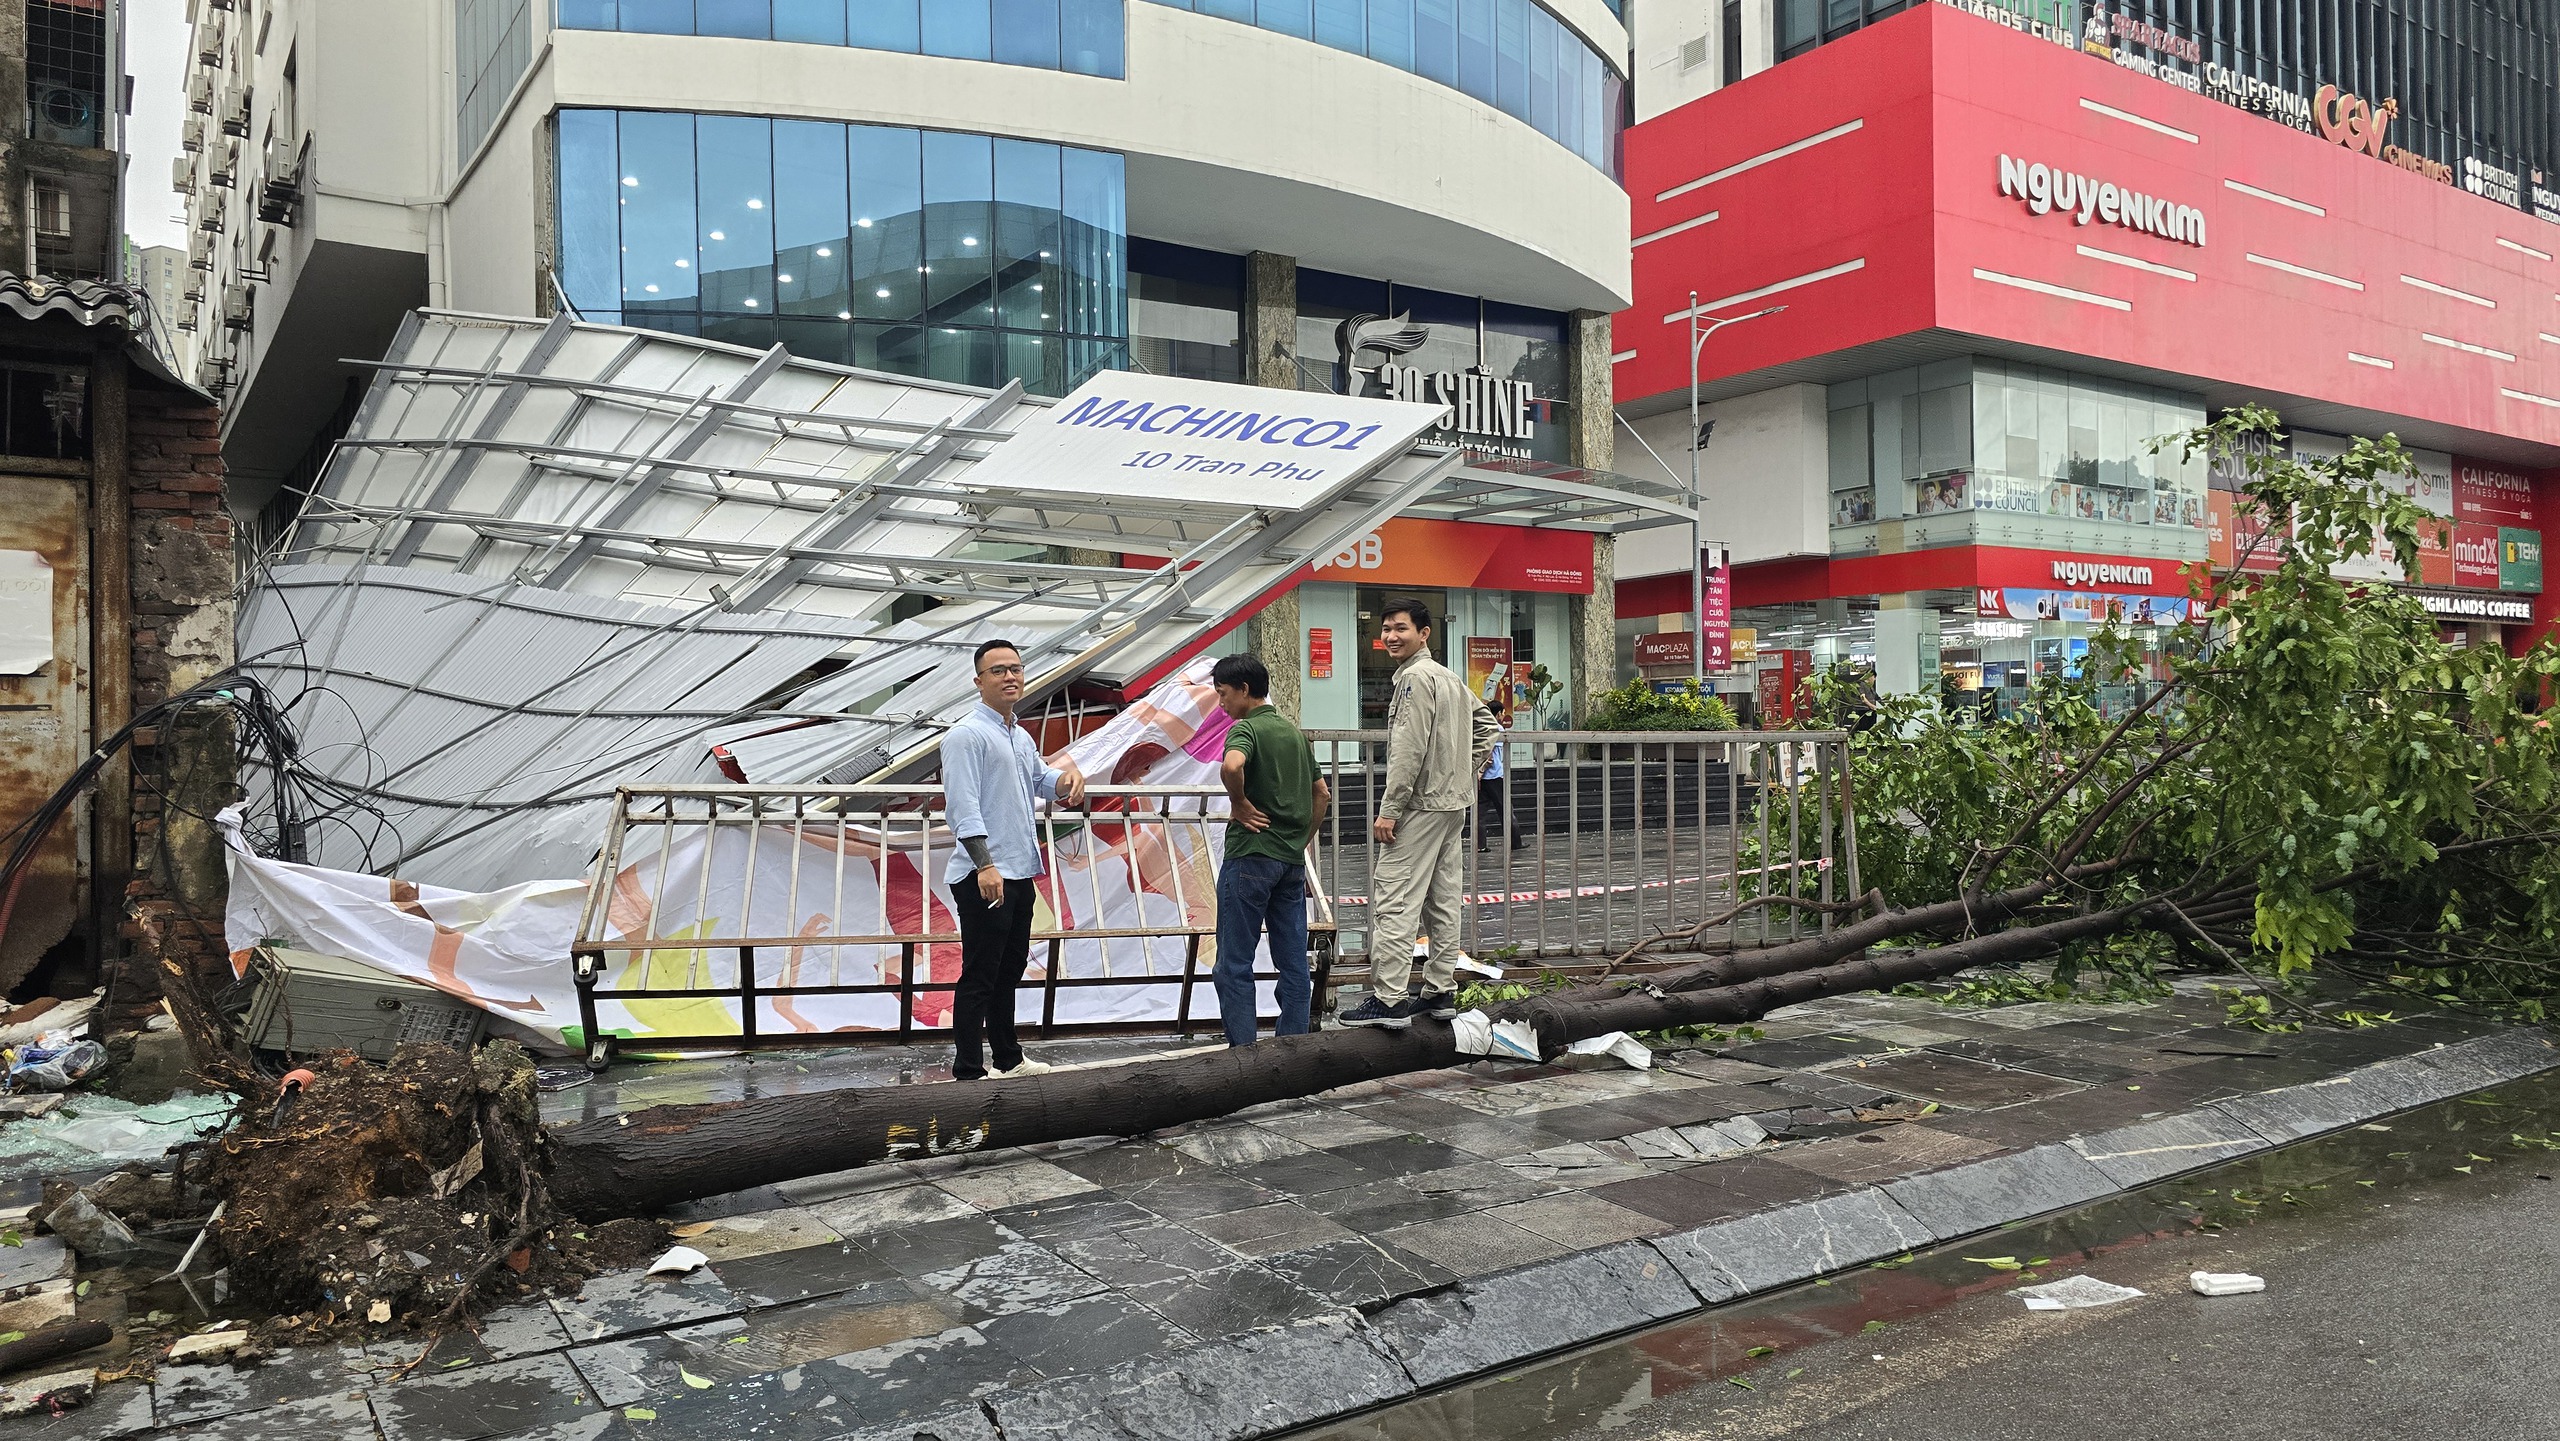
408, 1193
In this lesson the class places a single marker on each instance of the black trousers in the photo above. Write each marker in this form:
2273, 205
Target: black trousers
995, 948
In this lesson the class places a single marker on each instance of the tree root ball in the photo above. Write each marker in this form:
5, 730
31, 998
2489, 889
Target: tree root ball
412, 1190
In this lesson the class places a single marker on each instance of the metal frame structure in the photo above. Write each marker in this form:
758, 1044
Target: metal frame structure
552, 558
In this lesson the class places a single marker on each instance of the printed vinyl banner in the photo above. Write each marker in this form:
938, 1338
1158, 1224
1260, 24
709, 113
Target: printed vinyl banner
508, 951
1160, 437
1461, 556
2485, 494
2086, 608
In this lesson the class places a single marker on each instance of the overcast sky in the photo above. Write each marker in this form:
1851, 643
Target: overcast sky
155, 56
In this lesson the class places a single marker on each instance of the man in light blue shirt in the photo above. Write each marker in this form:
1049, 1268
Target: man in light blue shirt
991, 777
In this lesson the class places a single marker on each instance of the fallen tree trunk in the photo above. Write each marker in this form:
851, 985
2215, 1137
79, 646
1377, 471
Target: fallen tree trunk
630, 1165
62, 1338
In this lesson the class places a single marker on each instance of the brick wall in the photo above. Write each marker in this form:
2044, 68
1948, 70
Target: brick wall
184, 771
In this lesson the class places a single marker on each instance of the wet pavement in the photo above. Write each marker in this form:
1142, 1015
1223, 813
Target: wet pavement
1313, 1259
2408, 1296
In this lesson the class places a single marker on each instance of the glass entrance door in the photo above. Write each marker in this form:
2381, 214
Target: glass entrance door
1376, 670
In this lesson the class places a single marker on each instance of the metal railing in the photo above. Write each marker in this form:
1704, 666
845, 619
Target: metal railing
1595, 840
759, 916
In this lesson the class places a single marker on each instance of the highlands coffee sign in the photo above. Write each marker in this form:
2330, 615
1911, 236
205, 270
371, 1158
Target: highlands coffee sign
1479, 411
2046, 189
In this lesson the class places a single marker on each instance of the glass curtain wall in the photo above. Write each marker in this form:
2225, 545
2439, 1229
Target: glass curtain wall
492, 45
1511, 54
1186, 311
967, 258
1082, 36
1983, 450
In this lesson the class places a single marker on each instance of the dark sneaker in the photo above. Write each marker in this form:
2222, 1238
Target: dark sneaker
1374, 1012
1438, 1005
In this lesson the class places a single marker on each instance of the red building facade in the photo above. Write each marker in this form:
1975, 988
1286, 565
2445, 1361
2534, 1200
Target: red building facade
2005, 266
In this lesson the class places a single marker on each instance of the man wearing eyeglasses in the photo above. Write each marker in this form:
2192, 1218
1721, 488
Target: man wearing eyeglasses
991, 777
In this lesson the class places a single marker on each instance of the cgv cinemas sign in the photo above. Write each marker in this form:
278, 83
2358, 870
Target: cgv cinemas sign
1482, 412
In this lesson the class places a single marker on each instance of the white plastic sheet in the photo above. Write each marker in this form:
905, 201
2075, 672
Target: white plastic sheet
2074, 1293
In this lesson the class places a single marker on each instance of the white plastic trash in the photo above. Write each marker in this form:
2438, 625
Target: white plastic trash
1477, 1034
1617, 1044
2072, 1293
2225, 1283
679, 1261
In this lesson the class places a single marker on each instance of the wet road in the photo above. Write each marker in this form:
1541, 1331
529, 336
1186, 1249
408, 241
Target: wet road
2413, 1276
2425, 1314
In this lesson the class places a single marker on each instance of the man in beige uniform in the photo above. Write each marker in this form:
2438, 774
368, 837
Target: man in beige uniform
1439, 739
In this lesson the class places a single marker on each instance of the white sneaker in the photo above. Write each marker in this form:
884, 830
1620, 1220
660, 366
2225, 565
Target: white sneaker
1029, 1067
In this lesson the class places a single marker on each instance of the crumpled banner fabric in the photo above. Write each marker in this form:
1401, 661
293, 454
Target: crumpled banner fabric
508, 951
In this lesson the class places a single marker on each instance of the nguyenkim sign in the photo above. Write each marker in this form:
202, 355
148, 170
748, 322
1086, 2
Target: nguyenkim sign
1158, 437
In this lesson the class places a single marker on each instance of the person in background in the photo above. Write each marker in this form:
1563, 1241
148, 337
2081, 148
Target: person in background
1276, 800
1439, 739
991, 777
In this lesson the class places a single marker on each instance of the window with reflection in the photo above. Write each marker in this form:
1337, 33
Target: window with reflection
1083, 36
1511, 54
962, 257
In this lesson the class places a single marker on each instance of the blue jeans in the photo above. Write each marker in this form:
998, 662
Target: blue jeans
1255, 891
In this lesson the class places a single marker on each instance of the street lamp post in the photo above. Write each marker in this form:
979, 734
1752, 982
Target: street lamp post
1697, 532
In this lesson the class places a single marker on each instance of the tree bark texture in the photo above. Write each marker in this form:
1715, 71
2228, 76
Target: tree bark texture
62, 1338
637, 1163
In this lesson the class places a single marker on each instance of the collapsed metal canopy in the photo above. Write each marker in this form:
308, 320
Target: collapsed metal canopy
552, 558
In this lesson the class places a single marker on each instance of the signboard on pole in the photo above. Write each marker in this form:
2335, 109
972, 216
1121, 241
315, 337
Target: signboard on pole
1161, 437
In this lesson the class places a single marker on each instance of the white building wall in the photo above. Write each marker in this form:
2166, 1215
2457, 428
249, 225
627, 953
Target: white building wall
1680, 45
1764, 479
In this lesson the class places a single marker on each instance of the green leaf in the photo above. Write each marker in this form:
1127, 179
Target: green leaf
8, 1336
639, 1413
1998, 1263
1872, 1326
81, 1290
1758, 1351
9, 1237
1791, 1375
690, 1379
1738, 1381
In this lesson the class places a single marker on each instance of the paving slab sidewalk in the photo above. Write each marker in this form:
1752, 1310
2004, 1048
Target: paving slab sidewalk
1309, 1259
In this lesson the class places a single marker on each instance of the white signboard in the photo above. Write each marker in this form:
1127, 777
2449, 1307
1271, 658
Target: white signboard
26, 612
1157, 437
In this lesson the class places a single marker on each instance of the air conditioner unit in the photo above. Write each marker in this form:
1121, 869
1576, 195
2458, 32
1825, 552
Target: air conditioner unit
235, 112
212, 217
182, 174
61, 115
210, 39
284, 161
191, 136
282, 191
200, 92
225, 170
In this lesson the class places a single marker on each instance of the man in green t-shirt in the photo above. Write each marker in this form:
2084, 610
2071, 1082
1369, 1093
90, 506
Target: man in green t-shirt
1276, 802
